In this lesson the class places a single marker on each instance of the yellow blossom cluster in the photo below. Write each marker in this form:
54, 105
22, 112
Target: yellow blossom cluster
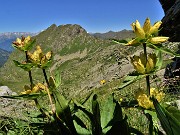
143, 66
37, 57
22, 43
37, 88
147, 33
102, 82
144, 100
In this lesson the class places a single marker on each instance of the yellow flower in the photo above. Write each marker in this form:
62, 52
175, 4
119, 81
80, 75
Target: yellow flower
37, 55
155, 27
38, 87
39, 58
102, 82
147, 33
144, 100
120, 99
138, 30
147, 26
140, 64
23, 43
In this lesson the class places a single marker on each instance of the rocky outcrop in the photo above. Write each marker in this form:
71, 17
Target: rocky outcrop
171, 20
12, 108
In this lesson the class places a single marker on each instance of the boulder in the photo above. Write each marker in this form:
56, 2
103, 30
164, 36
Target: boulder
171, 21
5, 91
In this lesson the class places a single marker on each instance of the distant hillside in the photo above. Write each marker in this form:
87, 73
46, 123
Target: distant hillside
124, 34
82, 60
7, 38
3, 56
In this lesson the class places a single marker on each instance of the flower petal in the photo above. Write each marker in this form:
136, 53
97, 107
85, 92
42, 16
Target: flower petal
147, 26
158, 40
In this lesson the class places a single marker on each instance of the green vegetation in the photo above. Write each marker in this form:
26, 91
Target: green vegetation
69, 96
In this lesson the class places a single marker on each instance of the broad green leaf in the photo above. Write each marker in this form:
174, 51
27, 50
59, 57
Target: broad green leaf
26, 66
96, 116
118, 123
119, 128
63, 111
159, 60
169, 123
80, 126
107, 111
57, 79
174, 111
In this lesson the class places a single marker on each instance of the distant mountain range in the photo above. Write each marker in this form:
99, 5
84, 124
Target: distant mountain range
124, 34
7, 38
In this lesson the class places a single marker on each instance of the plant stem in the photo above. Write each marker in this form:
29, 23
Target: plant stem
49, 95
45, 76
147, 76
29, 72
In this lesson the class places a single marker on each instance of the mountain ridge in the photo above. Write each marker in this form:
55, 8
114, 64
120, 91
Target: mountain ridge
82, 60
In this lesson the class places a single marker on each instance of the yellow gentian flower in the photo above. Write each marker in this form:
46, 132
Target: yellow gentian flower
23, 43
39, 58
144, 100
102, 82
147, 33
140, 64
38, 87
138, 30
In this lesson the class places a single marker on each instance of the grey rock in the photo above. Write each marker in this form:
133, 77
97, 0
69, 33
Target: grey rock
5, 91
171, 21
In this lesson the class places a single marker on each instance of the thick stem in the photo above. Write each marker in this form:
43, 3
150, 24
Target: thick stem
45, 76
29, 72
147, 77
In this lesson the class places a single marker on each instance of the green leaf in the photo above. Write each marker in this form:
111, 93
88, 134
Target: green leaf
107, 111
80, 126
119, 41
159, 60
97, 130
169, 123
26, 96
129, 80
63, 111
57, 79
119, 128
163, 49
55, 83
26, 66
174, 111
118, 123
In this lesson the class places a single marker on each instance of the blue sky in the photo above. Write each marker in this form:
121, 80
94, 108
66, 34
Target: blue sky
93, 15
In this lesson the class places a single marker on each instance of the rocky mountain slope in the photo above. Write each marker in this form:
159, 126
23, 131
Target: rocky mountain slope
82, 60
3, 56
